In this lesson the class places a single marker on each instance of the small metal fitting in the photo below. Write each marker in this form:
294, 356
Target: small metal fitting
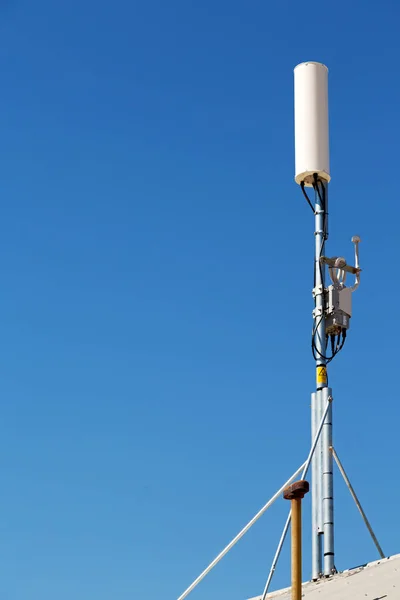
317, 312
317, 291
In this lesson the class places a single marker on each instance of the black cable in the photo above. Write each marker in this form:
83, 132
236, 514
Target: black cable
314, 348
316, 187
302, 185
318, 355
336, 343
344, 335
323, 207
322, 199
333, 343
336, 350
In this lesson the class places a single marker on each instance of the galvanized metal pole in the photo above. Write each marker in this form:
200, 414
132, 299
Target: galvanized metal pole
327, 490
317, 490
322, 500
315, 493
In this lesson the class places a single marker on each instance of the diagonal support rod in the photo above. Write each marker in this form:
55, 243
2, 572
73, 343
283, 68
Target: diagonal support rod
356, 500
303, 476
240, 534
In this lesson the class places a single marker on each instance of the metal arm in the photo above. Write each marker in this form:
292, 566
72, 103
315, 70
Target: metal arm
356, 240
358, 503
338, 267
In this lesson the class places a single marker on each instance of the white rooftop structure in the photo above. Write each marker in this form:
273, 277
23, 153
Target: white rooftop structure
378, 580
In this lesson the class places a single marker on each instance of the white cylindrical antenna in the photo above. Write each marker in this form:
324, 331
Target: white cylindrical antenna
311, 122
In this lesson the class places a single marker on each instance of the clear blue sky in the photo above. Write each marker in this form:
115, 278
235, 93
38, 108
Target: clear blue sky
156, 281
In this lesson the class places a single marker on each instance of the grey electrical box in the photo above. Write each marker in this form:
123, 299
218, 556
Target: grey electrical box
338, 299
337, 309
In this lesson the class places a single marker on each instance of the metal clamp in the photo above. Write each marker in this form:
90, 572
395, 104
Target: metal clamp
317, 291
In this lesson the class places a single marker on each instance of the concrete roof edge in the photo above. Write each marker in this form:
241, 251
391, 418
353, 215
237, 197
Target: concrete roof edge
355, 569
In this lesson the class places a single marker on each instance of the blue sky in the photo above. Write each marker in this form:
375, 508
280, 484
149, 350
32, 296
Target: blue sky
156, 281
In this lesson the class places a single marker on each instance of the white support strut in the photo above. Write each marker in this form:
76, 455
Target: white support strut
241, 533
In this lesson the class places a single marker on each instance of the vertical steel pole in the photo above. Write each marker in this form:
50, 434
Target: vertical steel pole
318, 455
315, 491
327, 489
322, 501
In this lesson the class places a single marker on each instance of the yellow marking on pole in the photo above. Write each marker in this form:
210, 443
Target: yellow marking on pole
322, 376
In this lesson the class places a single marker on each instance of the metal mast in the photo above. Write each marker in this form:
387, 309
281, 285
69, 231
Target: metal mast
313, 171
332, 312
322, 475
331, 320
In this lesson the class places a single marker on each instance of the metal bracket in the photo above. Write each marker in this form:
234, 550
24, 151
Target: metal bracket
348, 268
317, 312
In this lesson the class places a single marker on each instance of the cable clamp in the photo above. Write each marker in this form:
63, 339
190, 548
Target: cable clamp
317, 291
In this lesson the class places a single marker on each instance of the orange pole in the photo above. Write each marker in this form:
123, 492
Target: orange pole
296, 549
295, 493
